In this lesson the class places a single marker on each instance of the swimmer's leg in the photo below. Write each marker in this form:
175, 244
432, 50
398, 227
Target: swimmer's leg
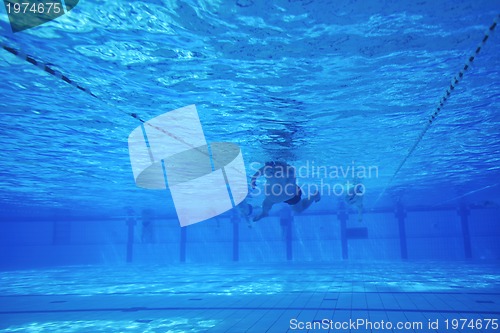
248, 221
360, 212
266, 207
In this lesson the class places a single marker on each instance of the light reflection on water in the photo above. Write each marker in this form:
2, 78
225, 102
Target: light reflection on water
176, 324
264, 279
314, 80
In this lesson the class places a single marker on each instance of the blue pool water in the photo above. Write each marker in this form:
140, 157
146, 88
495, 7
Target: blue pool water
330, 88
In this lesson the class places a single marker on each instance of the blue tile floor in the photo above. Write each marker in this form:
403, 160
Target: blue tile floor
284, 297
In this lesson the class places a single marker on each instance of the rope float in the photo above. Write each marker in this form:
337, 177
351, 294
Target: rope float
48, 69
456, 79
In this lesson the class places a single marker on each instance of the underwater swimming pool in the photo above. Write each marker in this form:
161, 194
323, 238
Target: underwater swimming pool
395, 100
253, 298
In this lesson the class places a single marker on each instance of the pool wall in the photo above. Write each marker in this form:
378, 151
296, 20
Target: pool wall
60, 238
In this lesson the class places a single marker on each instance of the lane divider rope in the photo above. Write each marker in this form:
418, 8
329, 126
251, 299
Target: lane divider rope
446, 95
48, 69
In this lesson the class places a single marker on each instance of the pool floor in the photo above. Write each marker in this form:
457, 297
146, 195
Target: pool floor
284, 297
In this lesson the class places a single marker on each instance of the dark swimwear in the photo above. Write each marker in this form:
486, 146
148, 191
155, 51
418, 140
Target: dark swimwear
296, 198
